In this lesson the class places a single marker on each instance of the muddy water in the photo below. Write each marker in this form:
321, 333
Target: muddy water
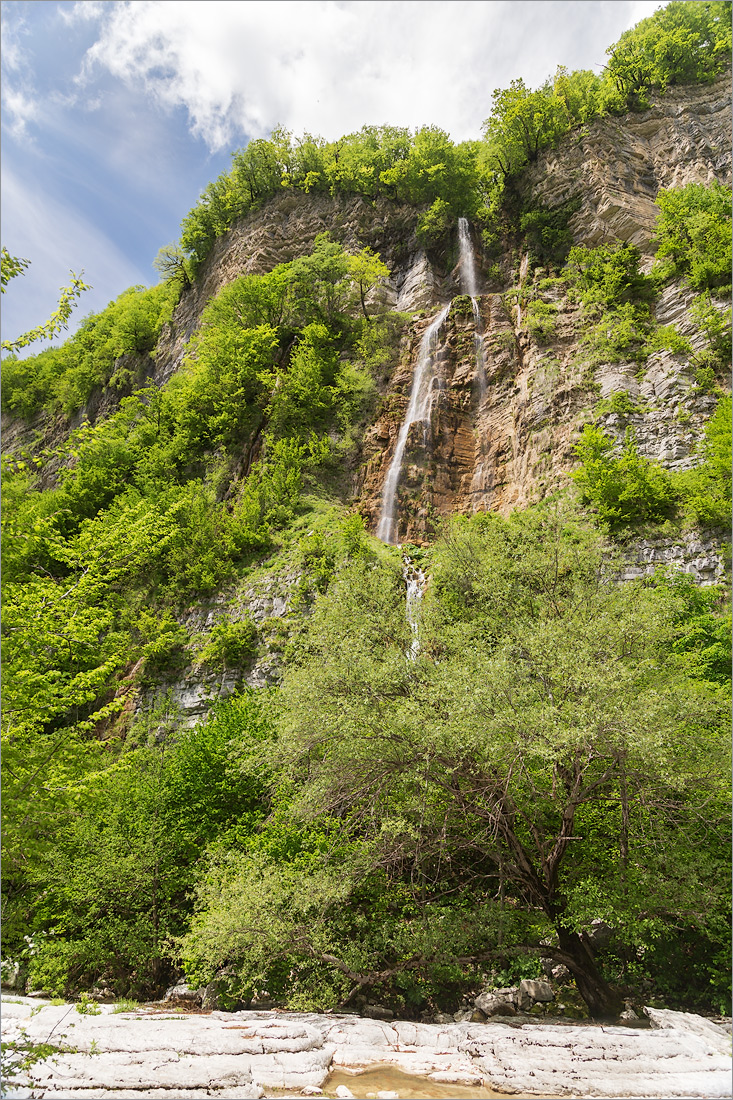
386, 1079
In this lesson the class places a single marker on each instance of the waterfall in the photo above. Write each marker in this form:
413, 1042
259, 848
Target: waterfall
418, 409
421, 394
415, 580
469, 286
466, 261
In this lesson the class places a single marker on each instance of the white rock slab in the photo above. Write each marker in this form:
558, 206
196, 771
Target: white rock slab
249, 1054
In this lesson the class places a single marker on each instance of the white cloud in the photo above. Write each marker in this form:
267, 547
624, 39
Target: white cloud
240, 68
57, 240
20, 105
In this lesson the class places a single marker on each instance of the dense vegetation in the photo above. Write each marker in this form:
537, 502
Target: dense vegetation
380, 824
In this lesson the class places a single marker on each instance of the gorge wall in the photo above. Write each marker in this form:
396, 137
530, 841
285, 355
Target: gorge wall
509, 442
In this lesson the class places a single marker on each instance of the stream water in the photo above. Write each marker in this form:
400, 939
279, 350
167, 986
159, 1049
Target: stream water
386, 1081
415, 580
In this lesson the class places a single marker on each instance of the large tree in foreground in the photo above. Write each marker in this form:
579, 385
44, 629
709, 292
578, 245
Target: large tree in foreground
546, 761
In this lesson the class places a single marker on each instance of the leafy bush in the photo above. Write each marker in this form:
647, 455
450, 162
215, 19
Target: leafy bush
231, 643
541, 319
624, 489
620, 403
706, 489
693, 235
117, 876
547, 232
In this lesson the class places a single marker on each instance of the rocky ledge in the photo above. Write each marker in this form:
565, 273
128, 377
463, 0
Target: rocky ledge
156, 1053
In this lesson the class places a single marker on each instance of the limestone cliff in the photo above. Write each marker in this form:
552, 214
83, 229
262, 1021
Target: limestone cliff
514, 443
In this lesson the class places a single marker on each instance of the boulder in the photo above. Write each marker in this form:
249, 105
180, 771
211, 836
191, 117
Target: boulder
599, 934
183, 992
497, 1002
531, 992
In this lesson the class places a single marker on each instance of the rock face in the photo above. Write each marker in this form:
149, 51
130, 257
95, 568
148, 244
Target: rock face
501, 436
250, 1055
617, 165
286, 227
507, 440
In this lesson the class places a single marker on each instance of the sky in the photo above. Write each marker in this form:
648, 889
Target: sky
116, 114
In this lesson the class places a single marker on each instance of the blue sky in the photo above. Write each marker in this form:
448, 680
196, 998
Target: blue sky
116, 114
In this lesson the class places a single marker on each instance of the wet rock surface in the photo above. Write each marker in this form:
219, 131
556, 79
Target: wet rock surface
156, 1052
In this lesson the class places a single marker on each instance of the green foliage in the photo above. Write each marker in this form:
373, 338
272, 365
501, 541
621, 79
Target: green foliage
547, 232
616, 301
625, 488
607, 276
521, 123
540, 318
435, 224
172, 263
10, 268
682, 43
715, 323
115, 880
706, 489
693, 235
230, 643
424, 792
165, 650
417, 168
620, 403
93, 357
85, 1006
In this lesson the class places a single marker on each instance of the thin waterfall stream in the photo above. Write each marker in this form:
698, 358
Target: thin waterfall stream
416, 581
469, 285
421, 395
418, 409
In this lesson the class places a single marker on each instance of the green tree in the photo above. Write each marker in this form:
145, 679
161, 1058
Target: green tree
173, 264
682, 43
693, 234
623, 488
10, 268
367, 272
520, 124
530, 772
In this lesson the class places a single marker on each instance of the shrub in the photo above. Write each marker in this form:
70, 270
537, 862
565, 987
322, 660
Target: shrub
231, 643
625, 489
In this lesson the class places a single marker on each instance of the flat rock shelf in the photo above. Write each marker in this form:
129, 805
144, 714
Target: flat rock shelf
155, 1052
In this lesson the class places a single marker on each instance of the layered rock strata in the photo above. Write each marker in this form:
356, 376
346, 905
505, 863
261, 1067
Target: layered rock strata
251, 1055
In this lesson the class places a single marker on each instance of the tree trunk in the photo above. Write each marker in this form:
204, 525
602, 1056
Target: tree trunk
602, 1000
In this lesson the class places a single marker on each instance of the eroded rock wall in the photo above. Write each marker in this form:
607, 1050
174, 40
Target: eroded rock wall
513, 444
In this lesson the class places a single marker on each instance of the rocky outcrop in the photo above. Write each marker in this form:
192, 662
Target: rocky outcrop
286, 227
256, 1054
616, 166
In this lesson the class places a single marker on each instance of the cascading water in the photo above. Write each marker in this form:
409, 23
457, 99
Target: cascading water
418, 409
466, 261
421, 394
469, 285
415, 580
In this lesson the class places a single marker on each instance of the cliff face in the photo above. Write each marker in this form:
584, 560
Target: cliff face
286, 227
507, 439
502, 425
504, 411
513, 443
